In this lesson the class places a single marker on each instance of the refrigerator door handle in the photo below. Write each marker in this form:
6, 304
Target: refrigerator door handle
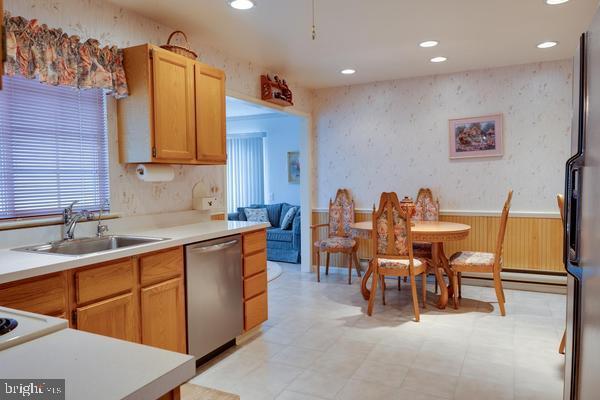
573, 215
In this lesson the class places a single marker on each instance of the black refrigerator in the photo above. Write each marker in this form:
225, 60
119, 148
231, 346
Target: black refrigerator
582, 227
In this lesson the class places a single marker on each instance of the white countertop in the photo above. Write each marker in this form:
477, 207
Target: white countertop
16, 265
98, 367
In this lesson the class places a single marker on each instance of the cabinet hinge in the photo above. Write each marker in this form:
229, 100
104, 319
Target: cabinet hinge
74, 317
154, 152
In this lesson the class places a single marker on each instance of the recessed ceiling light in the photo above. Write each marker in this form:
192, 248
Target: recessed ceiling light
429, 43
241, 4
348, 71
438, 59
546, 45
555, 2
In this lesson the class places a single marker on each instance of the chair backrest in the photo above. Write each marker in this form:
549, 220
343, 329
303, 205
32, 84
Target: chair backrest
426, 208
502, 230
341, 214
391, 234
560, 199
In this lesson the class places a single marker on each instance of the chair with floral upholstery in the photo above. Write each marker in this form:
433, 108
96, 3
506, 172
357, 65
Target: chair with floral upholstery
338, 240
477, 261
393, 247
426, 209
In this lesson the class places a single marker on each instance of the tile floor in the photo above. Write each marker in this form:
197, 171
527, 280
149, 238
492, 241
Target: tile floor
320, 344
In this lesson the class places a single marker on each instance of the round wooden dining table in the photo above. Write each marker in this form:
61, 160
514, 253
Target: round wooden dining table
434, 232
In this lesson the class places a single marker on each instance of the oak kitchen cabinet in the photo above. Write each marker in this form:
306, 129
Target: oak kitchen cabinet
140, 298
255, 278
175, 112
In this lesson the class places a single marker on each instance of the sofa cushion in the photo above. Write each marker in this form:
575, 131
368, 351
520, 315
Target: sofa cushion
273, 210
257, 215
279, 235
288, 218
241, 213
285, 207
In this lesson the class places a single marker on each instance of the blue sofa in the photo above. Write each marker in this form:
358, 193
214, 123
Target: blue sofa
282, 245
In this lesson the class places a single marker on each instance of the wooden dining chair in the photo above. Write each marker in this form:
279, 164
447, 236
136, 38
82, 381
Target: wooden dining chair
393, 247
560, 199
426, 209
338, 240
476, 261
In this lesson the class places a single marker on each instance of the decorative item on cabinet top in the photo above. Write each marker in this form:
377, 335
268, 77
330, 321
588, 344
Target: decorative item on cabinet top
276, 92
175, 113
185, 51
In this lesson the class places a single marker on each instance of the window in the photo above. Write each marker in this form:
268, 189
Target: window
245, 170
53, 148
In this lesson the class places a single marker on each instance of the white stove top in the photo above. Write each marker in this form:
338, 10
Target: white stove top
30, 326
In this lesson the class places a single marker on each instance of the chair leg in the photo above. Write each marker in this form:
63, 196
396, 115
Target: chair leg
454, 278
374, 279
563, 343
349, 268
399, 283
318, 265
357, 264
405, 278
383, 289
327, 265
460, 285
499, 293
424, 288
415, 298
436, 285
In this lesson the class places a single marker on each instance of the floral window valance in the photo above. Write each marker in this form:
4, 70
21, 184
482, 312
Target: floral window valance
53, 57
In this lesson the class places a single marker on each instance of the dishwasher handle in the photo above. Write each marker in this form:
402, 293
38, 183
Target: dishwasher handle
214, 247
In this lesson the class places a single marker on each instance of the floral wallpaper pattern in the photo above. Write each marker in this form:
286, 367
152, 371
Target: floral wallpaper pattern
112, 25
393, 136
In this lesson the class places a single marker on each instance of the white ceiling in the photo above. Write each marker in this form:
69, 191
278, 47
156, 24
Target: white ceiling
378, 38
240, 108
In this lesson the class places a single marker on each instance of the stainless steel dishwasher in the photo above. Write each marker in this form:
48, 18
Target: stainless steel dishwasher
214, 295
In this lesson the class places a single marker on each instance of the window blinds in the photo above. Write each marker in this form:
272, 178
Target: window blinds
53, 148
245, 171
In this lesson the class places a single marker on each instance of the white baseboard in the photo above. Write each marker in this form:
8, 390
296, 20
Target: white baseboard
510, 280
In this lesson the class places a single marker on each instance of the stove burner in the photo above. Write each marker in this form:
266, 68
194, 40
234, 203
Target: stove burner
7, 325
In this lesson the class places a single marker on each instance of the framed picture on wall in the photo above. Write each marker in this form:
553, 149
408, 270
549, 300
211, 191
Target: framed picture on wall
293, 166
476, 137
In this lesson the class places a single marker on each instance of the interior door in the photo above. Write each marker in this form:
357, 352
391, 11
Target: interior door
174, 124
115, 317
163, 315
210, 114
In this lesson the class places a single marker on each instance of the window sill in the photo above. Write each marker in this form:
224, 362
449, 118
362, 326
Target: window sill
44, 221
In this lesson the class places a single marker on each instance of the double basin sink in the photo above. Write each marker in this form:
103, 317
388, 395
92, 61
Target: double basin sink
78, 247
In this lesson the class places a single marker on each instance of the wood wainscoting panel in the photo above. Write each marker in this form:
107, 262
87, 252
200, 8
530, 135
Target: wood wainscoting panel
531, 244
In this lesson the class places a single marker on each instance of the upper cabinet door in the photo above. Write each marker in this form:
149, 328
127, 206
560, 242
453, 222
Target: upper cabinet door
210, 115
174, 124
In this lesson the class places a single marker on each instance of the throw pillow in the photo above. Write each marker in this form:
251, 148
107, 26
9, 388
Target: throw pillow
286, 224
257, 215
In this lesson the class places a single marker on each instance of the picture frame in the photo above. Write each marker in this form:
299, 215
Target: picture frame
476, 137
293, 164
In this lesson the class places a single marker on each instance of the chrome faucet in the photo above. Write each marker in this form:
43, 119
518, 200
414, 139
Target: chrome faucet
71, 219
101, 229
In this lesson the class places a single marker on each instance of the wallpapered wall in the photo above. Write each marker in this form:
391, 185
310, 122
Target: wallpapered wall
393, 136
113, 25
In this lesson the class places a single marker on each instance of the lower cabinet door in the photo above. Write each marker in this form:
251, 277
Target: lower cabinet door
115, 317
255, 311
163, 315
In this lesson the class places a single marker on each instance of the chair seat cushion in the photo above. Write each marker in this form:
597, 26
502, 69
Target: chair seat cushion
335, 243
472, 259
394, 263
279, 235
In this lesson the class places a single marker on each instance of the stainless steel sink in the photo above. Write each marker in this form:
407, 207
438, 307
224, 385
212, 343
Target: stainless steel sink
77, 247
